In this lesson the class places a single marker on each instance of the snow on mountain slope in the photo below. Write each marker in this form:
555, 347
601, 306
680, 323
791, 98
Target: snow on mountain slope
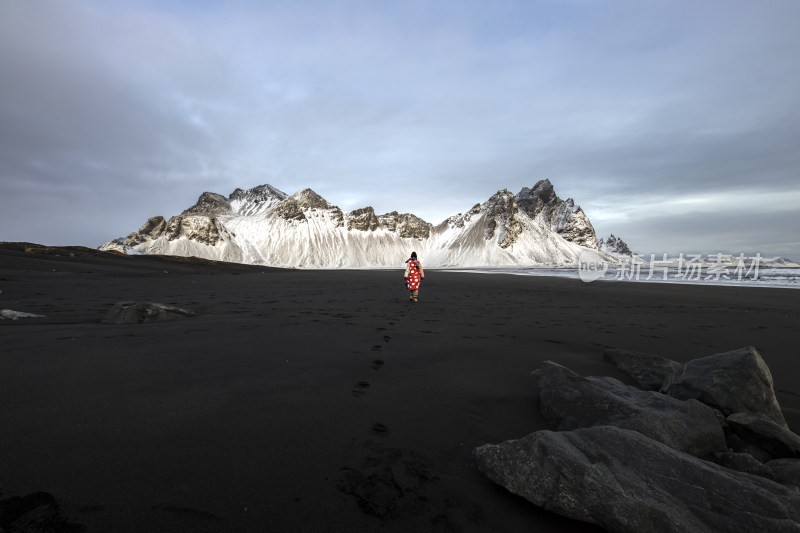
256, 200
499, 233
265, 226
614, 246
562, 216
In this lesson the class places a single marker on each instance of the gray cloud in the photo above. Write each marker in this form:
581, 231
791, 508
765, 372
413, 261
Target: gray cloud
114, 111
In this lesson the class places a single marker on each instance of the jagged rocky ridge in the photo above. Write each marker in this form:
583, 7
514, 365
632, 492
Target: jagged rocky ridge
614, 245
264, 225
701, 446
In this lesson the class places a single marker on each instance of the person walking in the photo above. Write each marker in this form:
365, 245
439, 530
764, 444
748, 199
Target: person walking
413, 277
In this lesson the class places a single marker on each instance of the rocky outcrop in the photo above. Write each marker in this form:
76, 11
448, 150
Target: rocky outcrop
501, 219
764, 438
570, 401
614, 245
201, 229
413, 227
537, 200
648, 370
562, 216
626, 482
784, 471
290, 209
733, 382
256, 200
152, 229
297, 205
139, 312
363, 219
408, 226
635, 460
209, 204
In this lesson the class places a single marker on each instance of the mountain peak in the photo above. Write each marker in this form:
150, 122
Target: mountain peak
542, 203
209, 204
309, 199
257, 200
613, 245
532, 201
261, 191
501, 218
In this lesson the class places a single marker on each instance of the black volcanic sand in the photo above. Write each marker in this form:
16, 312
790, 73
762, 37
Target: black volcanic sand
319, 400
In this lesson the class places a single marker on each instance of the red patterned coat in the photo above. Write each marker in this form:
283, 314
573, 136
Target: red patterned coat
414, 274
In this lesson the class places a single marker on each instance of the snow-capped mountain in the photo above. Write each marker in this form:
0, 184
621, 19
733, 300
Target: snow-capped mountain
614, 245
562, 216
265, 226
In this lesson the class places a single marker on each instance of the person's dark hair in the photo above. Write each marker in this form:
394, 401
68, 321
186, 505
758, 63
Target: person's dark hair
414, 255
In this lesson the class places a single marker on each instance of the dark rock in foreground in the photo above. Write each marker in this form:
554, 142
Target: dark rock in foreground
772, 440
634, 460
624, 481
783, 471
139, 312
570, 401
733, 382
648, 370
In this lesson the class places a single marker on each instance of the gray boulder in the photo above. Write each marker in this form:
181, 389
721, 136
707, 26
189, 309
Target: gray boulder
742, 462
570, 401
733, 382
783, 471
759, 431
648, 370
626, 482
786, 472
139, 312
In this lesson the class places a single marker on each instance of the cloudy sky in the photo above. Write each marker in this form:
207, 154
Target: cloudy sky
674, 124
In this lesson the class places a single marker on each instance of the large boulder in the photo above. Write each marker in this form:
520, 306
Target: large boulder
773, 440
733, 382
627, 482
783, 471
570, 401
139, 312
648, 370
786, 472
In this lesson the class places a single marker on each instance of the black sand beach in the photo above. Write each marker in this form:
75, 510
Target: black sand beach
291, 394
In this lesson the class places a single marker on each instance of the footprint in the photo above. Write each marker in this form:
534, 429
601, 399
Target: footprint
377, 364
379, 429
360, 388
376, 348
386, 338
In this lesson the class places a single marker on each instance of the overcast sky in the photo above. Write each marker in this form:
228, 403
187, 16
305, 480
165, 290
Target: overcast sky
674, 124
